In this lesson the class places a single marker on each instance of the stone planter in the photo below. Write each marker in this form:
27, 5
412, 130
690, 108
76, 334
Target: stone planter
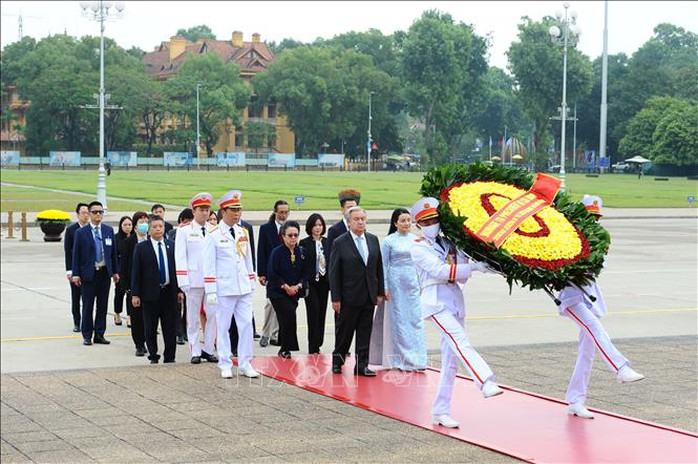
52, 230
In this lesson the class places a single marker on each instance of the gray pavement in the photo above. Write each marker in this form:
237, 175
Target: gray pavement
63, 402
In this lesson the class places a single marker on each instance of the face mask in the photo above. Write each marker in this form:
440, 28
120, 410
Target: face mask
431, 231
143, 228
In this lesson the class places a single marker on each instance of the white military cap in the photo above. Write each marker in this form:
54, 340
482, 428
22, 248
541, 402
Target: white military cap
201, 199
231, 199
593, 204
425, 208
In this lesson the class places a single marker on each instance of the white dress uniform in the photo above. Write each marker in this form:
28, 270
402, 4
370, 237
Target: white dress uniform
189, 245
576, 304
229, 273
442, 277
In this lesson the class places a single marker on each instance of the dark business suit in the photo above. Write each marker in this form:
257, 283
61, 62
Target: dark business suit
316, 301
68, 243
333, 232
95, 282
233, 331
269, 239
158, 303
356, 286
136, 314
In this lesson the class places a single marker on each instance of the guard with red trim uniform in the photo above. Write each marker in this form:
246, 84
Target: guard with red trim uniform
585, 306
229, 280
189, 244
443, 271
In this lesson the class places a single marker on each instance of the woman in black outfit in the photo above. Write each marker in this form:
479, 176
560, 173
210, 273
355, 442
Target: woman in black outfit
140, 234
315, 247
125, 230
287, 280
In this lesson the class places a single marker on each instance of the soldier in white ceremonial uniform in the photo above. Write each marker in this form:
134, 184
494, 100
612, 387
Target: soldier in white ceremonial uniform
189, 245
229, 280
577, 304
443, 271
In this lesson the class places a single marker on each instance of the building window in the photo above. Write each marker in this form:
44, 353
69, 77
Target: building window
254, 109
271, 111
238, 139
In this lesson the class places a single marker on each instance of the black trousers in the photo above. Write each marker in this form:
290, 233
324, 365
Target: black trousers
182, 319
75, 296
353, 319
119, 294
137, 326
164, 311
95, 290
316, 310
233, 333
285, 309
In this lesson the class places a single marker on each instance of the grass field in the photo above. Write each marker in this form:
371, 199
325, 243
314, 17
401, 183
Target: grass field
381, 190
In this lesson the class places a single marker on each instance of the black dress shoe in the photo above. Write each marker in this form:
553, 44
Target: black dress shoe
140, 352
180, 340
196, 359
336, 369
76, 328
87, 341
274, 342
257, 336
263, 341
101, 341
154, 361
285, 354
212, 358
168, 361
364, 371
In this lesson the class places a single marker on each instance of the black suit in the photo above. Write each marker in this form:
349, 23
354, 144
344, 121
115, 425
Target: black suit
316, 301
68, 244
334, 231
159, 303
357, 287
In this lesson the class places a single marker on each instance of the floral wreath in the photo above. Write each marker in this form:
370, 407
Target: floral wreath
558, 245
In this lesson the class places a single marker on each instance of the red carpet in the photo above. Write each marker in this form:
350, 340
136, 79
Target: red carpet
519, 424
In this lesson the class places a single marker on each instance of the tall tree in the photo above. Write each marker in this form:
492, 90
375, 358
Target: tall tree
197, 32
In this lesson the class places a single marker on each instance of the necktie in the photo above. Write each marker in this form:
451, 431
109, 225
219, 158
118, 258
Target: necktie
203, 230
161, 256
232, 231
98, 244
362, 250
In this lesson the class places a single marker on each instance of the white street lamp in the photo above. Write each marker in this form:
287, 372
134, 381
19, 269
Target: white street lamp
370, 118
101, 11
198, 132
563, 34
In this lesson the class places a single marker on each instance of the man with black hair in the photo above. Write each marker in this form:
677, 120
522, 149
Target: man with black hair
81, 210
159, 210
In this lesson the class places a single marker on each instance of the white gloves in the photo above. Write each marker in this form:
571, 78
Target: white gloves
211, 299
480, 267
185, 288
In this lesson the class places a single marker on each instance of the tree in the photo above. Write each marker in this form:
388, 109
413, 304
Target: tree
259, 135
222, 96
536, 63
440, 67
197, 32
285, 44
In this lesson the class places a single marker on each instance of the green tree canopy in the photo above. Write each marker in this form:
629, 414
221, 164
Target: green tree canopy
197, 32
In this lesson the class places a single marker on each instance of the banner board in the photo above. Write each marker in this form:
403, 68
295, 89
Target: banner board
330, 160
177, 158
9, 158
122, 158
64, 158
230, 159
281, 160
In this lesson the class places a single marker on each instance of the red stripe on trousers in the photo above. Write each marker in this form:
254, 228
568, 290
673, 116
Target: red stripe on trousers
569, 310
457, 349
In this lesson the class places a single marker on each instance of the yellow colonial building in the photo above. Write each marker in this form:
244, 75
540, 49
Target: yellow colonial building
252, 57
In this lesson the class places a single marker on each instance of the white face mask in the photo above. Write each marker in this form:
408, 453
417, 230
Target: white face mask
431, 231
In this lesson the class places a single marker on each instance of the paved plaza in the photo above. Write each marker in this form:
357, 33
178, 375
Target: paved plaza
63, 402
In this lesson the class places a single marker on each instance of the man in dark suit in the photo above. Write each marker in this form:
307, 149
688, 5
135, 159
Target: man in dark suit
154, 289
269, 238
356, 284
159, 210
82, 211
94, 263
347, 199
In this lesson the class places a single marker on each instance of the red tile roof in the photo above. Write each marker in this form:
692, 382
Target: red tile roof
252, 57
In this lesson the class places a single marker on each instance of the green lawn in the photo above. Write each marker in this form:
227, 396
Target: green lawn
260, 189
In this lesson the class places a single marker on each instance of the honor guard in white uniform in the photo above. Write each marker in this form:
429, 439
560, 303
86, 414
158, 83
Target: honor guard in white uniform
189, 245
585, 306
229, 280
443, 271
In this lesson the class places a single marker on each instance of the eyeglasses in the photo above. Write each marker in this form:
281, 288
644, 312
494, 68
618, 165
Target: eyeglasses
291, 235
99, 211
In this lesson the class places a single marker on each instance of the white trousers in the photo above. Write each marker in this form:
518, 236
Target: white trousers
591, 336
456, 347
271, 324
239, 307
195, 298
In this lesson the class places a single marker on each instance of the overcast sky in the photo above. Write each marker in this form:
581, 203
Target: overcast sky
145, 23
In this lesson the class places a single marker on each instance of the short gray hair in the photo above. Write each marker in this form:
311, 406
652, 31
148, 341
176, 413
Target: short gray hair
347, 215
